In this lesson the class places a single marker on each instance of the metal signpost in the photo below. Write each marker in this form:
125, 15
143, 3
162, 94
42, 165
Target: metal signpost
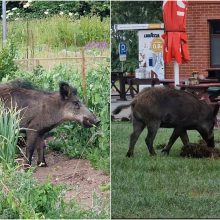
122, 48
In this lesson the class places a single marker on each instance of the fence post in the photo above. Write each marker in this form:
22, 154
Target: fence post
27, 44
84, 75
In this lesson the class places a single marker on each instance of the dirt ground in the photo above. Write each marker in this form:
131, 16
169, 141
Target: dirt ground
82, 180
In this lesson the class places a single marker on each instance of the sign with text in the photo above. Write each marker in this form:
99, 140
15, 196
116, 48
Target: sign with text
151, 51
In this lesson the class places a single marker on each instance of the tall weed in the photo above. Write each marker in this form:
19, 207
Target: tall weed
9, 132
57, 32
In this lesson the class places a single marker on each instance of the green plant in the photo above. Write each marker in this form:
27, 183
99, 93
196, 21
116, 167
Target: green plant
73, 9
7, 64
56, 33
22, 197
9, 132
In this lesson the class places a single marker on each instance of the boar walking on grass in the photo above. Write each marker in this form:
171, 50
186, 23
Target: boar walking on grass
42, 111
168, 108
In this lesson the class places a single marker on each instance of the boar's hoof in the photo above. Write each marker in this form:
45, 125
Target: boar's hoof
165, 151
129, 154
42, 164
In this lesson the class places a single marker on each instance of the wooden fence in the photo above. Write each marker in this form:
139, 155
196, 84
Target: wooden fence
82, 62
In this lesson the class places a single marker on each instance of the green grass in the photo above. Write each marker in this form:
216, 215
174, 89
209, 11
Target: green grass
162, 186
49, 35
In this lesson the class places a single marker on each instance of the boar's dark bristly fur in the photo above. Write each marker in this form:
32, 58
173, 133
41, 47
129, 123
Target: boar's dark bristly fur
169, 108
41, 111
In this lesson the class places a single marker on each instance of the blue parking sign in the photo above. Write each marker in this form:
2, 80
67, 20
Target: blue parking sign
122, 49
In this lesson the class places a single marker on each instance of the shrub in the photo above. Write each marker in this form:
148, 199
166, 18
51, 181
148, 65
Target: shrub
7, 64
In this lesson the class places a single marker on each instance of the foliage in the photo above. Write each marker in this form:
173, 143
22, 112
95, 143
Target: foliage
132, 12
72, 139
7, 64
37, 9
9, 132
162, 186
57, 32
22, 197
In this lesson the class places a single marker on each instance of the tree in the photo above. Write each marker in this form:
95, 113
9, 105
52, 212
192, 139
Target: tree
132, 12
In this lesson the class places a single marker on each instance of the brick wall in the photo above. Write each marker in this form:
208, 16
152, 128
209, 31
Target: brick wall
199, 12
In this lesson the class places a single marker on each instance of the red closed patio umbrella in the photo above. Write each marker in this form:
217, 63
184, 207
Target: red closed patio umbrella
175, 37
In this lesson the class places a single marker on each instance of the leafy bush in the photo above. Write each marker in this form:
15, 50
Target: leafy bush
9, 132
71, 138
7, 64
37, 9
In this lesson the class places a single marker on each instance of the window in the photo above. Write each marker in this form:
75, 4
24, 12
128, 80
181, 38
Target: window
215, 43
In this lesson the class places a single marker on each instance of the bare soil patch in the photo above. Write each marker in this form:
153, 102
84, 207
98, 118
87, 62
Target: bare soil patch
82, 180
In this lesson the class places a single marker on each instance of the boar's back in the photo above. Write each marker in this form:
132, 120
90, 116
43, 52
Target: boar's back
171, 107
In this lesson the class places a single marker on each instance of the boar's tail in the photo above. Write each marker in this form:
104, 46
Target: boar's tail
119, 108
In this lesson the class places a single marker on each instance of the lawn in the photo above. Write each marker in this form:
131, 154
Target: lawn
162, 186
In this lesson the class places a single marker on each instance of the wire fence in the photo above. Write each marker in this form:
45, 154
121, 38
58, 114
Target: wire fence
79, 62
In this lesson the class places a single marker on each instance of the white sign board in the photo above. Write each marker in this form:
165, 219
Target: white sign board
119, 27
151, 51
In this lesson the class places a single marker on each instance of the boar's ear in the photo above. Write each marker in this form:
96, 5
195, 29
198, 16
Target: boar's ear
65, 90
216, 108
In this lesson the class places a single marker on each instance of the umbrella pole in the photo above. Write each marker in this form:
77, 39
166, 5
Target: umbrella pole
176, 74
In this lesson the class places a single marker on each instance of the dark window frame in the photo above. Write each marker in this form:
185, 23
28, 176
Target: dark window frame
211, 36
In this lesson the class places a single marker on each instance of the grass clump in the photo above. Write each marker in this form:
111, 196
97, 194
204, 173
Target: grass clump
9, 132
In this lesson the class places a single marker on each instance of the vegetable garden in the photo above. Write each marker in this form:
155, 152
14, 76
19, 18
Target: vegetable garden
21, 195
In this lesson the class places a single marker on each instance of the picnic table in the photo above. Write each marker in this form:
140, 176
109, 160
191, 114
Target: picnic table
200, 90
123, 80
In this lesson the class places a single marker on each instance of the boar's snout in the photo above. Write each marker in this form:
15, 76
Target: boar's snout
90, 122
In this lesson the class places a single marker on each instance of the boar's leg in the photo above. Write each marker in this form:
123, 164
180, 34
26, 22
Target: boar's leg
176, 133
138, 127
208, 138
152, 131
40, 152
184, 138
32, 140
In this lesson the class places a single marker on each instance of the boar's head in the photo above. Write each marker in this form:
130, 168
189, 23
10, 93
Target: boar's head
74, 109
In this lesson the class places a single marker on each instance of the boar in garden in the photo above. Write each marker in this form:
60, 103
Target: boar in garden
169, 108
42, 111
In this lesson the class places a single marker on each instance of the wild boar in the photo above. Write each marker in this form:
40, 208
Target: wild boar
42, 111
169, 108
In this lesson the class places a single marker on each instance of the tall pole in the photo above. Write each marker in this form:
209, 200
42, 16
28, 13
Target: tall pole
176, 74
4, 27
